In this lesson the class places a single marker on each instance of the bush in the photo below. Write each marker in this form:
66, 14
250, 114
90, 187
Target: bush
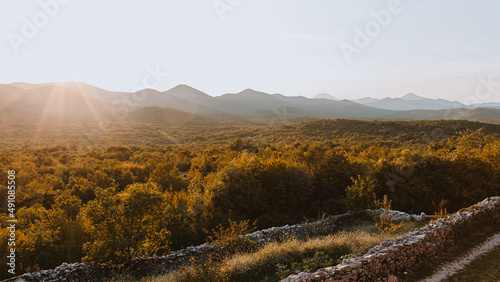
386, 222
232, 240
360, 195
273, 191
319, 260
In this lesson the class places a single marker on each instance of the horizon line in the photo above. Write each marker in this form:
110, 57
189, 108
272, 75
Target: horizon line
235, 93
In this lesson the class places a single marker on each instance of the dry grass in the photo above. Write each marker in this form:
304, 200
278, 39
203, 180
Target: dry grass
355, 242
263, 263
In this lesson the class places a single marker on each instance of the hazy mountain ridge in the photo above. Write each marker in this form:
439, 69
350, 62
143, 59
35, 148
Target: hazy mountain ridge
365, 100
181, 103
414, 104
52, 99
325, 96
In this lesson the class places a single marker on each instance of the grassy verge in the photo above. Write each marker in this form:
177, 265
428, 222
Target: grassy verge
277, 260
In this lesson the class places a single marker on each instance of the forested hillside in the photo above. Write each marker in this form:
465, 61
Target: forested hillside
192, 132
93, 197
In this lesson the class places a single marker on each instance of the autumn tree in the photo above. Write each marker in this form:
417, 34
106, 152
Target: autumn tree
126, 224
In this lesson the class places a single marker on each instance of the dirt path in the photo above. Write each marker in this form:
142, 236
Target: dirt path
452, 267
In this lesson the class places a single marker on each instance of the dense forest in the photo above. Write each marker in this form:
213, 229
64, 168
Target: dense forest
96, 198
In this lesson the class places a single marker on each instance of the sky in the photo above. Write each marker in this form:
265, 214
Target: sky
347, 48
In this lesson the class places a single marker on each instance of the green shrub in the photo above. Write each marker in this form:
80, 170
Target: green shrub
386, 222
231, 240
319, 260
360, 194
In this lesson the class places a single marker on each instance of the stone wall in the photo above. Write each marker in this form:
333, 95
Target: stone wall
140, 267
392, 257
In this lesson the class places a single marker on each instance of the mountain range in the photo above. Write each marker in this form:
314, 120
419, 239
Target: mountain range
79, 101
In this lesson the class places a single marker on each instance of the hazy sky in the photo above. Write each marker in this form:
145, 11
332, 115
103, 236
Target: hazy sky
437, 49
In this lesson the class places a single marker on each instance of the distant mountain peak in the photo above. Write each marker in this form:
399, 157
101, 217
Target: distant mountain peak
249, 91
186, 92
184, 86
325, 96
366, 100
149, 91
412, 96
